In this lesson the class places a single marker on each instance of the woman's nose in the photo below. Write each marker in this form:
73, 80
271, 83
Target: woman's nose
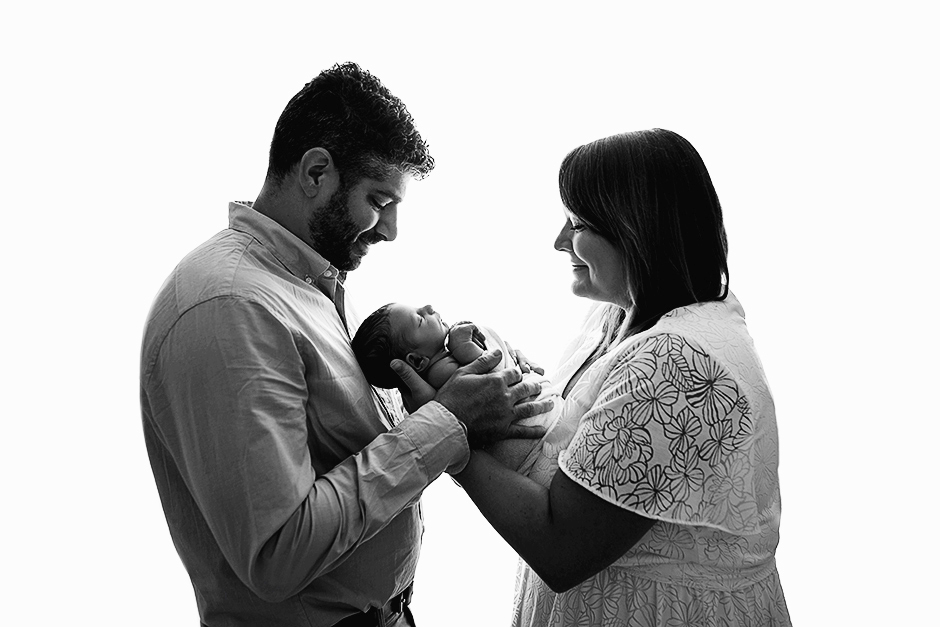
563, 239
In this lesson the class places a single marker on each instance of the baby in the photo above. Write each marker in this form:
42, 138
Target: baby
434, 350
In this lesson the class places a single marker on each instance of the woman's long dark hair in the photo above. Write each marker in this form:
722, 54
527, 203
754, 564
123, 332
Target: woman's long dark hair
648, 193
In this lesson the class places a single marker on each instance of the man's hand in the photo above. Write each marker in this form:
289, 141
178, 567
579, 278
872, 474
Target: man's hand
489, 402
418, 390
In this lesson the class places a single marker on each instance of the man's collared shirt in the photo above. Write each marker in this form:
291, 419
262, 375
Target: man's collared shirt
290, 494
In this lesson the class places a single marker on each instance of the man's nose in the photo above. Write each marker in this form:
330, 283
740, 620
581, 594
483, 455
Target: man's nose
387, 225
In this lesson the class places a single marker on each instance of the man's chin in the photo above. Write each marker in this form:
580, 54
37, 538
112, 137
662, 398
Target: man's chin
356, 254
351, 263
352, 257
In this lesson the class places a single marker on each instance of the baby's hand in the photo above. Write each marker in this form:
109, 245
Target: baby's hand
465, 342
463, 332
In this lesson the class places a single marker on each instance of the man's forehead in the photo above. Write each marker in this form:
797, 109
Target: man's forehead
392, 187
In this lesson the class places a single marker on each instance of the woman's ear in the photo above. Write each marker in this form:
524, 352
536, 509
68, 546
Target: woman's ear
416, 361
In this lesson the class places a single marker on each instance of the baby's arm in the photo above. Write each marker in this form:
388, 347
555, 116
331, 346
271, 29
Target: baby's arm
440, 371
465, 342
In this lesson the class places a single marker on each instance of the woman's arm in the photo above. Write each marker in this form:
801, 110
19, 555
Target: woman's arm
565, 533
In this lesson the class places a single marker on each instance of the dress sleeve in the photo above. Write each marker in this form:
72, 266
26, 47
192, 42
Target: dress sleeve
230, 407
669, 437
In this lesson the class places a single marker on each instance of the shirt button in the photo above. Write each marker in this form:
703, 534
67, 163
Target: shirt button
328, 274
308, 280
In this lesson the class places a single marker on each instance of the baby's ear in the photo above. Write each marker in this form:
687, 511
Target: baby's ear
416, 361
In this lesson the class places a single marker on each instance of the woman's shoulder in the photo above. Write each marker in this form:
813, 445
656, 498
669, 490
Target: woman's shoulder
712, 332
721, 317
711, 327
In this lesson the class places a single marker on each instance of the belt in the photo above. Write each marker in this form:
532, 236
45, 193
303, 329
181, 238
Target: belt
380, 616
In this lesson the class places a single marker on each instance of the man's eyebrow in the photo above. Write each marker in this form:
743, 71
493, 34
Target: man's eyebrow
388, 194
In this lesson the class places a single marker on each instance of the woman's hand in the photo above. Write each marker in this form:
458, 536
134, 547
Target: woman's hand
524, 363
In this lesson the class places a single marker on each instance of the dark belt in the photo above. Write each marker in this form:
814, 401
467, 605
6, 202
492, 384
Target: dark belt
380, 616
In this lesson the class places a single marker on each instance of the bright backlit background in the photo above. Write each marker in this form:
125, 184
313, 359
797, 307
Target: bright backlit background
127, 128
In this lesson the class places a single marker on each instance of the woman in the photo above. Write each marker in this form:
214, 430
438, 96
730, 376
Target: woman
663, 505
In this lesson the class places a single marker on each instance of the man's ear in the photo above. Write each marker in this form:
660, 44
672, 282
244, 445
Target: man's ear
317, 173
416, 361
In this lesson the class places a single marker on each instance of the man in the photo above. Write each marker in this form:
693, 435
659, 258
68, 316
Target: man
290, 486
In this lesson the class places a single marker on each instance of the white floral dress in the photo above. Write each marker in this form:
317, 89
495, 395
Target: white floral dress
675, 424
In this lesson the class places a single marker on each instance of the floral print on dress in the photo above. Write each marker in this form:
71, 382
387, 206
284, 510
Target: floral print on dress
666, 440
676, 424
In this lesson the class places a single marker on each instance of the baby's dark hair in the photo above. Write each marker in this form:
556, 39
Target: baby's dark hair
375, 348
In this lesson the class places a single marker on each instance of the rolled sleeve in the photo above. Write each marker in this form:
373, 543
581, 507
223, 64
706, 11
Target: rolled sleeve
439, 438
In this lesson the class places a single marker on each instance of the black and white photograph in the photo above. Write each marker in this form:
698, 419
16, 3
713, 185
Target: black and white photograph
612, 314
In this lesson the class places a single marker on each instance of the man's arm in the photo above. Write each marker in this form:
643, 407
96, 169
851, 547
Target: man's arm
228, 396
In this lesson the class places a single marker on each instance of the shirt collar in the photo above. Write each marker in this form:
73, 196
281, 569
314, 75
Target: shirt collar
300, 259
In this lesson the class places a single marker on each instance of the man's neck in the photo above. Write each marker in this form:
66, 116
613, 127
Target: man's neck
276, 203
267, 201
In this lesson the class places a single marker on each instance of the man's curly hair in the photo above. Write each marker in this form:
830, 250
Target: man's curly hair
350, 113
375, 348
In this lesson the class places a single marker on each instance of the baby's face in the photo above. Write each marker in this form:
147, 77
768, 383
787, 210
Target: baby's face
421, 327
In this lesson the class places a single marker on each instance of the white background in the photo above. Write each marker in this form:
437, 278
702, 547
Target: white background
127, 127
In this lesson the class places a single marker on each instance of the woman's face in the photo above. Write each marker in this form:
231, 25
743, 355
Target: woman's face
597, 265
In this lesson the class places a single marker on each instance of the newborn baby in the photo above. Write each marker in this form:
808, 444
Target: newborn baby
434, 350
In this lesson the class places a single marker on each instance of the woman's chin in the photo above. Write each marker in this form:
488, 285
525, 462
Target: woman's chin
579, 289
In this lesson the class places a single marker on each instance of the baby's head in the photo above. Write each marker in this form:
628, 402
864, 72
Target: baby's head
415, 335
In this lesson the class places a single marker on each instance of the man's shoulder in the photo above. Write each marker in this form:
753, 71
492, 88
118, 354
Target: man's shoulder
230, 264
225, 265
210, 269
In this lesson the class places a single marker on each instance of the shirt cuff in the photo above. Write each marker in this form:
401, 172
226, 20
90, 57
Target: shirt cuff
440, 438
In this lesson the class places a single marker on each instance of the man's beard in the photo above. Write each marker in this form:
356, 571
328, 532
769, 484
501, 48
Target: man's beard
335, 235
